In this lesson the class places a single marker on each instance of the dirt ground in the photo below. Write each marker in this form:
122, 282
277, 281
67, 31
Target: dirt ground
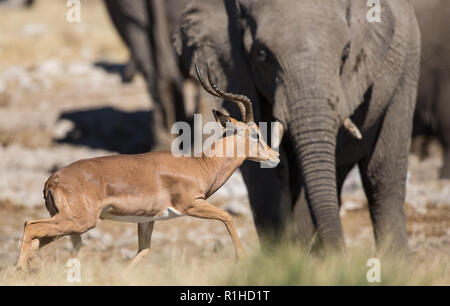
61, 99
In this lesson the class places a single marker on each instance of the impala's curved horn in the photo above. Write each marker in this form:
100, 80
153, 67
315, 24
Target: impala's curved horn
244, 103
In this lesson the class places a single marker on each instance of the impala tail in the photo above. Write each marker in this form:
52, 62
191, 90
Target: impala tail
48, 195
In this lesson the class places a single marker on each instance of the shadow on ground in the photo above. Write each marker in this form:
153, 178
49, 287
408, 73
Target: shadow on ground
126, 72
110, 129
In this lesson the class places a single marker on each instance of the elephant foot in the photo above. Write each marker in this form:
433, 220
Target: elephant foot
445, 170
129, 72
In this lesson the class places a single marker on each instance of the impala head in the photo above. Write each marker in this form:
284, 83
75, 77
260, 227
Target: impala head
246, 132
249, 136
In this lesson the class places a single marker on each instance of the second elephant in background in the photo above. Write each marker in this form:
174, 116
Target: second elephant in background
146, 26
432, 117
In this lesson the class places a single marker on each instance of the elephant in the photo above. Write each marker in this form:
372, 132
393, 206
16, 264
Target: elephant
344, 90
145, 26
433, 105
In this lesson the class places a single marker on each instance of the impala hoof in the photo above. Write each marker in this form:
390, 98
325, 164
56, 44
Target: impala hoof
22, 268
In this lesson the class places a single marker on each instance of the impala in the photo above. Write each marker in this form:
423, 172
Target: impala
148, 187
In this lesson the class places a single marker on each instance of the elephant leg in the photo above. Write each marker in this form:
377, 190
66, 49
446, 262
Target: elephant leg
170, 83
303, 223
142, 50
132, 21
443, 114
129, 71
384, 172
445, 170
134, 24
121, 15
270, 198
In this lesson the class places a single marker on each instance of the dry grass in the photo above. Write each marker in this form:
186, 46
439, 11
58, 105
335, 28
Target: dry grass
285, 266
29, 37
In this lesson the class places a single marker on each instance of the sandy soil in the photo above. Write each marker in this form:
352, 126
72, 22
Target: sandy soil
61, 100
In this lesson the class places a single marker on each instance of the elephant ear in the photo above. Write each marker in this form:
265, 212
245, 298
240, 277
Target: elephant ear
210, 32
372, 48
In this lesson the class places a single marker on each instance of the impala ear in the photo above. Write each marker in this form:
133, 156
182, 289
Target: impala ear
222, 119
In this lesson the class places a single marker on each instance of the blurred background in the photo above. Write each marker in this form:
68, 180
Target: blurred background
63, 98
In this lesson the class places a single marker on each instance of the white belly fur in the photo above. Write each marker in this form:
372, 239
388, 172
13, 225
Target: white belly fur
168, 213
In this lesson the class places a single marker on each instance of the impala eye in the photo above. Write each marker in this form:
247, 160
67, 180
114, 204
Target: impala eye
262, 56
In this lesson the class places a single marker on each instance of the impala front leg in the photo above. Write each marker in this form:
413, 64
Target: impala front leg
145, 231
204, 210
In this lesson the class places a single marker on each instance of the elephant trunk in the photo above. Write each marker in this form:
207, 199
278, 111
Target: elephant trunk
313, 127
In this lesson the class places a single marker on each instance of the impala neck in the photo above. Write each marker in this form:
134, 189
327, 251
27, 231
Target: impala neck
219, 169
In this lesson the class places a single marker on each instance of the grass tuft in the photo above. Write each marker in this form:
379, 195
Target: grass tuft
287, 265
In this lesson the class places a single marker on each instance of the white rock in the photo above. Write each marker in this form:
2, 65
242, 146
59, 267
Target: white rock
237, 185
62, 127
94, 234
353, 181
34, 29
234, 188
349, 205
86, 52
80, 68
52, 67
236, 208
107, 239
127, 254
125, 240
19, 75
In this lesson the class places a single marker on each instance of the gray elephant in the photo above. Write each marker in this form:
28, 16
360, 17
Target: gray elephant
326, 73
146, 26
432, 117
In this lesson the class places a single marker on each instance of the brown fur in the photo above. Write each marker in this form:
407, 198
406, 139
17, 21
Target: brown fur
144, 185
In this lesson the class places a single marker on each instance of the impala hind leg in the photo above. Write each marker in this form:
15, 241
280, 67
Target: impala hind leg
39, 233
204, 210
145, 231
